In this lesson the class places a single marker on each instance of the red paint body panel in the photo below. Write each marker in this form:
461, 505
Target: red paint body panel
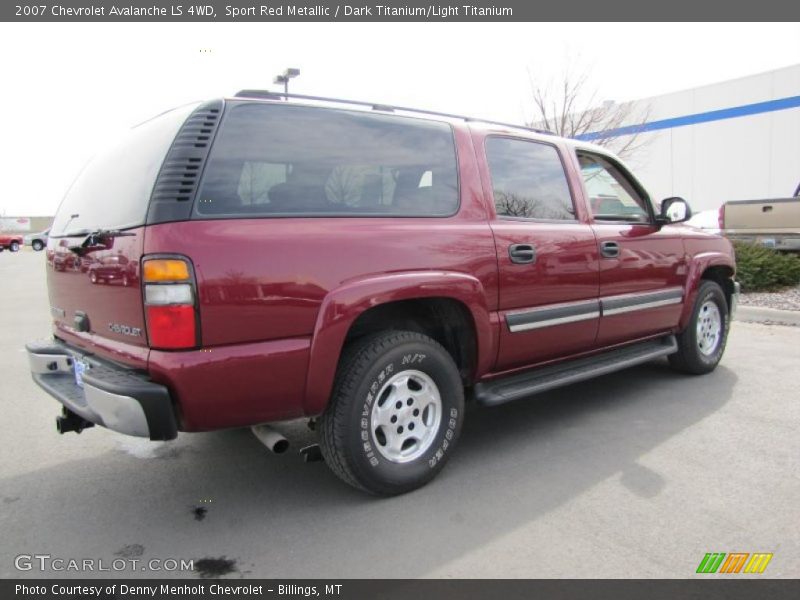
651, 259
106, 301
234, 386
566, 270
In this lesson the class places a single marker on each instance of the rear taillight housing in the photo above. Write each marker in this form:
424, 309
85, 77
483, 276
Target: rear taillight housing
721, 217
170, 305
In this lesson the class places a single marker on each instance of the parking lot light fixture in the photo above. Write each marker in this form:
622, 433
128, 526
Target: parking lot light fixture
284, 78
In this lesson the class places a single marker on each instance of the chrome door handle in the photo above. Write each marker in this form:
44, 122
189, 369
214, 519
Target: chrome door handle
609, 249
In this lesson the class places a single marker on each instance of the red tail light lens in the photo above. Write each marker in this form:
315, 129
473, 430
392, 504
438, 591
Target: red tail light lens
171, 327
169, 298
721, 217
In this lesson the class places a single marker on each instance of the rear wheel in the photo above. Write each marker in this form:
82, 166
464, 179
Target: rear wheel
395, 415
702, 343
37, 245
14, 246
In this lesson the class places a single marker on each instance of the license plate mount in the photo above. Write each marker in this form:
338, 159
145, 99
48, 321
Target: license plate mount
79, 367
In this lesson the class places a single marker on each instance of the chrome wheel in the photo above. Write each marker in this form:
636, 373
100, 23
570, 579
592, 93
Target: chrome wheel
406, 416
709, 327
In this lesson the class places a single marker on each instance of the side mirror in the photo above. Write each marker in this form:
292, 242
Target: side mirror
674, 210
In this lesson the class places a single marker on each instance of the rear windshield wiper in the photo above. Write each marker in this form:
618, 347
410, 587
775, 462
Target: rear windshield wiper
92, 238
97, 233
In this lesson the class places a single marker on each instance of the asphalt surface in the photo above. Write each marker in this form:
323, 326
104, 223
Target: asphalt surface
636, 474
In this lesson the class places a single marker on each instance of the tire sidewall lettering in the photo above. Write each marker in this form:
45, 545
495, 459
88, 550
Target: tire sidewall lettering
449, 424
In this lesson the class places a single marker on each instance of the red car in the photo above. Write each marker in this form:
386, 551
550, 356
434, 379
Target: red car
10, 241
367, 268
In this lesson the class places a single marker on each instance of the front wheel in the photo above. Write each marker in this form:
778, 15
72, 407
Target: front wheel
14, 247
395, 415
701, 344
37, 245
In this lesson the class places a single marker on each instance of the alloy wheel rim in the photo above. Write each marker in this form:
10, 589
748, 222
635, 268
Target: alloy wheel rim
709, 328
406, 415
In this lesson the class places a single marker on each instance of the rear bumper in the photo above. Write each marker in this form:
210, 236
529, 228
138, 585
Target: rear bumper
114, 397
788, 242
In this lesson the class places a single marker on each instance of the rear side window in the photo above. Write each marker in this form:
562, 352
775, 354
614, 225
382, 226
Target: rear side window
272, 160
528, 180
113, 189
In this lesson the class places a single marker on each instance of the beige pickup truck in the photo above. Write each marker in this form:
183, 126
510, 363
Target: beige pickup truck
772, 223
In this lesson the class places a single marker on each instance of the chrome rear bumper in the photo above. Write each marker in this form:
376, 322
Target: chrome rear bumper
114, 397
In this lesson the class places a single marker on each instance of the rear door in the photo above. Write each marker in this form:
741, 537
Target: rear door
92, 304
547, 255
642, 266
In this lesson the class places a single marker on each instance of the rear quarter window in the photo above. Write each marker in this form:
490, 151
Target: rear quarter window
113, 189
270, 161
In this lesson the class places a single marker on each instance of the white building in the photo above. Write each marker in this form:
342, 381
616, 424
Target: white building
734, 140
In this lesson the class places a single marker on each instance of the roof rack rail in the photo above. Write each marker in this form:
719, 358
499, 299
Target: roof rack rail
266, 94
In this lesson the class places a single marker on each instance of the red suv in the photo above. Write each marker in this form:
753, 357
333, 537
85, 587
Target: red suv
367, 268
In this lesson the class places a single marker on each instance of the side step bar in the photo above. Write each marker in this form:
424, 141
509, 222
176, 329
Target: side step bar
513, 387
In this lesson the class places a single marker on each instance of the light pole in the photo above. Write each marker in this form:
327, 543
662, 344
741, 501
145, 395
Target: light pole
285, 77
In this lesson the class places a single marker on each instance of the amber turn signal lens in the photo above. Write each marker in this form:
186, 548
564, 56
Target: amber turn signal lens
162, 269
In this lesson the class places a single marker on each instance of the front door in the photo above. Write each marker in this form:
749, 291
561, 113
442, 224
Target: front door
642, 266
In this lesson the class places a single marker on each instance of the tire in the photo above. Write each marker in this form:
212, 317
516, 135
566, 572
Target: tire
37, 245
14, 246
702, 343
93, 277
392, 379
125, 282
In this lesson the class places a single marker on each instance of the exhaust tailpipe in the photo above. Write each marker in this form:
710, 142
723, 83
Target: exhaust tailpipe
273, 440
69, 421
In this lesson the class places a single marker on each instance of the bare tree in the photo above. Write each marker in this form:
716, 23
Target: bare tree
570, 108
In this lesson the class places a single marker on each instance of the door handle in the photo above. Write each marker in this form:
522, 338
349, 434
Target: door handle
522, 253
609, 249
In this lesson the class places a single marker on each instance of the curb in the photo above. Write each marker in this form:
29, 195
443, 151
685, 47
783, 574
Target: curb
768, 316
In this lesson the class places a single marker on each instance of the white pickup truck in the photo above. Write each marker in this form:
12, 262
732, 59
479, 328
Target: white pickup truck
772, 223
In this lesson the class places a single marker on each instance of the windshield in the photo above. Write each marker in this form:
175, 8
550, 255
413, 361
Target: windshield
113, 189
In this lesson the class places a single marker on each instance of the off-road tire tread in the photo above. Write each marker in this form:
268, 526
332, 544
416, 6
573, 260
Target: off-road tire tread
687, 344
356, 359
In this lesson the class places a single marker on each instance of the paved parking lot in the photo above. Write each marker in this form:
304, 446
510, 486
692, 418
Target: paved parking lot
637, 474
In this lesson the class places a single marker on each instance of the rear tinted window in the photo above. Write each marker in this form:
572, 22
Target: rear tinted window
271, 160
113, 189
528, 180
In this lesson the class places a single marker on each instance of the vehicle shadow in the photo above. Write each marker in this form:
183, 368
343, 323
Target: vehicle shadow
223, 495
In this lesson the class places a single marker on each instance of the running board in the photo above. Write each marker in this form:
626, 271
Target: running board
513, 387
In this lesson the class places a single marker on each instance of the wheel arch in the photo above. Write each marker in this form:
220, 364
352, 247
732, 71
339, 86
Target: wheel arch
413, 300
710, 266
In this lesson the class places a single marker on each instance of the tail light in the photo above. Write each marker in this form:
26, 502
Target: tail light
169, 303
721, 217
